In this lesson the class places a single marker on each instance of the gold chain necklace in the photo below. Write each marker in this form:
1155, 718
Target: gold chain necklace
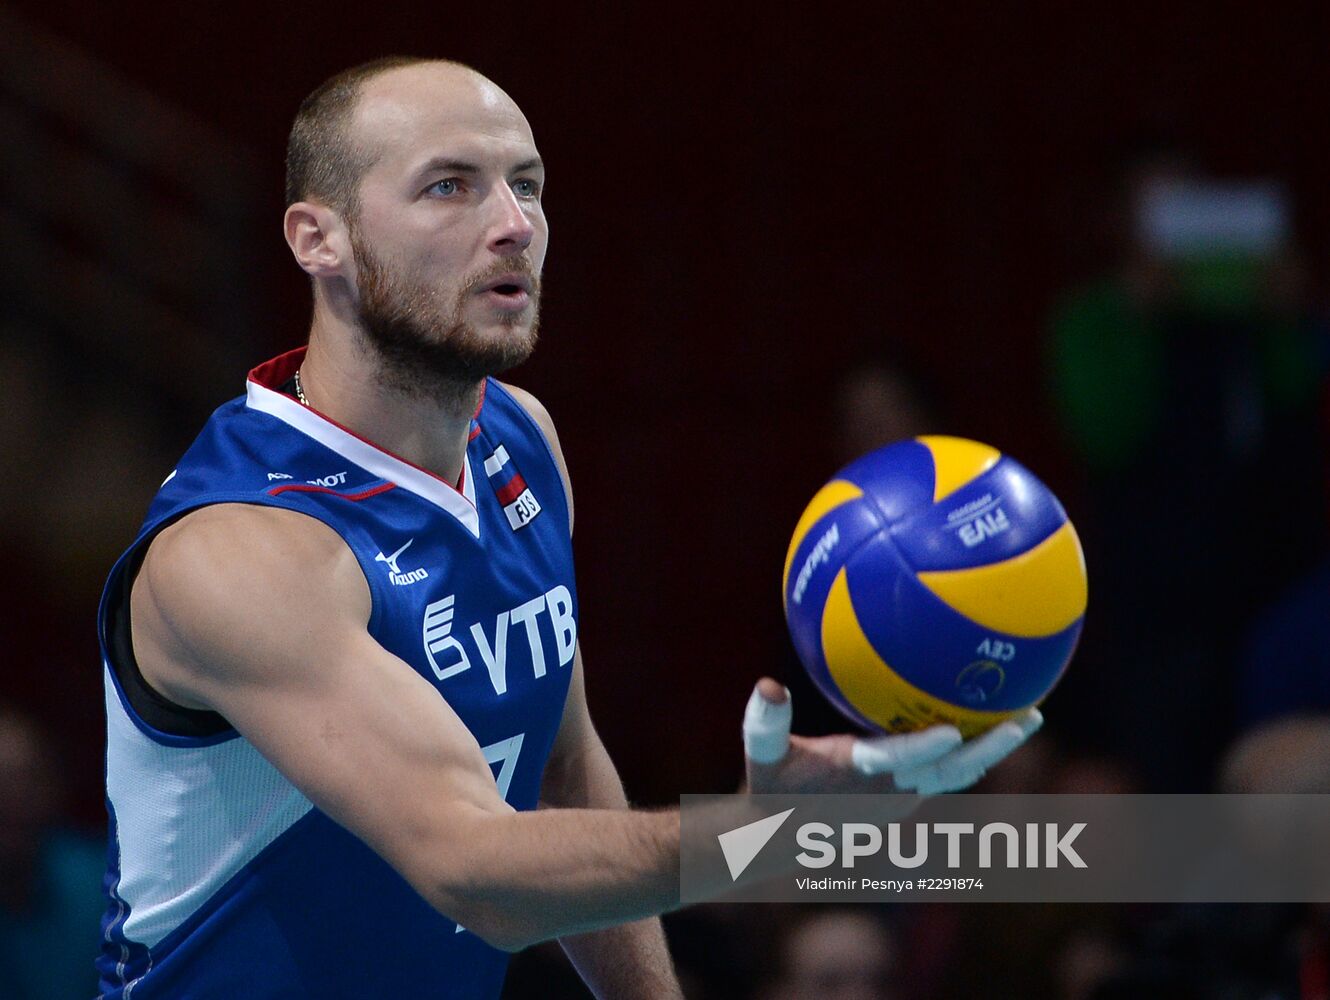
300, 393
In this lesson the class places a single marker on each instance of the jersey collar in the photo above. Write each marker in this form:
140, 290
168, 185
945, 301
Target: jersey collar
262, 394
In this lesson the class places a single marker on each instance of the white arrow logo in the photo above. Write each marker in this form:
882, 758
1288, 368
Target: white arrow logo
392, 559
741, 845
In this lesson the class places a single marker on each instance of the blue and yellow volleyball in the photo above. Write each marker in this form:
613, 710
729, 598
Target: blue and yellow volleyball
935, 580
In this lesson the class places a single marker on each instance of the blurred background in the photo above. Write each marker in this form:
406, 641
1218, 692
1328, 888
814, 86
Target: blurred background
1098, 239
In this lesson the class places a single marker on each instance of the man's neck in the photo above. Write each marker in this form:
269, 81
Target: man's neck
339, 379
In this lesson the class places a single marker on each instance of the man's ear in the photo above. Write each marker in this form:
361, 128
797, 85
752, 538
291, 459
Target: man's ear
318, 238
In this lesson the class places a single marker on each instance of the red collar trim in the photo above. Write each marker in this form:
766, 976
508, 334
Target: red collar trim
264, 393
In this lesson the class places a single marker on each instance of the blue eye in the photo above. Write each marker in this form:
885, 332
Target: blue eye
448, 186
526, 188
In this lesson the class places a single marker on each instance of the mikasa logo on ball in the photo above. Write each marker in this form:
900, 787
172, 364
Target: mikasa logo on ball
815, 558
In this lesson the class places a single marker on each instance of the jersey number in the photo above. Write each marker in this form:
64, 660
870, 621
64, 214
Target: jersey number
504, 753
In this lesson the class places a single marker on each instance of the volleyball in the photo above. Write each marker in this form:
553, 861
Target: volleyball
934, 580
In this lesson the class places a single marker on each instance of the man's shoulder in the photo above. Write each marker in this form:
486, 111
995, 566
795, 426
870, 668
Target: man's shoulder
208, 580
534, 408
234, 536
244, 556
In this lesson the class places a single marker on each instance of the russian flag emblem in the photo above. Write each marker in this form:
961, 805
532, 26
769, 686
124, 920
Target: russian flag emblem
516, 498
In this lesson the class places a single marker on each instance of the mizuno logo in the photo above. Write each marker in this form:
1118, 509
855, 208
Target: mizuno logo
395, 574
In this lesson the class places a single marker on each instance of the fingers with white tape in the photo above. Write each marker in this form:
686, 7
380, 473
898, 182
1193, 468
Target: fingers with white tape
965, 765
767, 723
884, 754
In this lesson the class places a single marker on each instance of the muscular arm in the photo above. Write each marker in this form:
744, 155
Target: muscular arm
260, 614
631, 960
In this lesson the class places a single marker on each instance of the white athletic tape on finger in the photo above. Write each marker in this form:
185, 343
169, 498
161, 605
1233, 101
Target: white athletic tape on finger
965, 765
883, 754
986, 750
767, 728
1030, 720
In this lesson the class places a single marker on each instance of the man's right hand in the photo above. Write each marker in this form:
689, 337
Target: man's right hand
928, 762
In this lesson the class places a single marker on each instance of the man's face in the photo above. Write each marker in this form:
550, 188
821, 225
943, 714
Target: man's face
449, 237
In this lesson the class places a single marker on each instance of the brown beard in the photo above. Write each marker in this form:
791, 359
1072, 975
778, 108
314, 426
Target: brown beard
423, 352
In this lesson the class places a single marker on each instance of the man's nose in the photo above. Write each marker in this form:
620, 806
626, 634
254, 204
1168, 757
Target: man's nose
512, 229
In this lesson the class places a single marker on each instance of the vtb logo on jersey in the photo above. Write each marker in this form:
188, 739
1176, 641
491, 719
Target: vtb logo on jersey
448, 657
519, 503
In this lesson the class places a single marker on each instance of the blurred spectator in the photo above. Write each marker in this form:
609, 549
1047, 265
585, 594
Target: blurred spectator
1185, 379
877, 404
1011, 951
50, 899
1088, 959
1286, 756
838, 954
1215, 952
1248, 951
1286, 662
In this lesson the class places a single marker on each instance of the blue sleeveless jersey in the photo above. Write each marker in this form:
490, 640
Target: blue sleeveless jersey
224, 881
